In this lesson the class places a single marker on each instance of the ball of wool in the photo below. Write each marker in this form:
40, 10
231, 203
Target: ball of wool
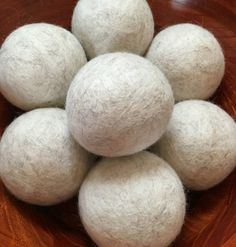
191, 58
104, 26
133, 201
200, 144
40, 163
37, 64
119, 104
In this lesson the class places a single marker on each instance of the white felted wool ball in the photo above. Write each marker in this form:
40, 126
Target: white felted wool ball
133, 201
104, 26
37, 64
119, 104
40, 163
191, 58
200, 144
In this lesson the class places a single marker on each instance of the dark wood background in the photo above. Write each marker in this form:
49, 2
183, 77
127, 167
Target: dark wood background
211, 218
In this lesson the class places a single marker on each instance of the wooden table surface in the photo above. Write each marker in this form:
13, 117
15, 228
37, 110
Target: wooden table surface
211, 217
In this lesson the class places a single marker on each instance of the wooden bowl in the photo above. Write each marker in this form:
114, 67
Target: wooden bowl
211, 217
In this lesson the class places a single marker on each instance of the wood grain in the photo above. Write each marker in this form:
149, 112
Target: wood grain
211, 219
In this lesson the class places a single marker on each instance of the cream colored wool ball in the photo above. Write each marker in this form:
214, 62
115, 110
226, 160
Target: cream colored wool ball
40, 163
134, 201
119, 104
37, 64
200, 144
191, 58
105, 26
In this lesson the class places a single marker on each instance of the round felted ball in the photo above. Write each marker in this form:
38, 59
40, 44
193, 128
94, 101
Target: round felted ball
200, 144
104, 26
40, 163
133, 201
118, 104
191, 58
37, 64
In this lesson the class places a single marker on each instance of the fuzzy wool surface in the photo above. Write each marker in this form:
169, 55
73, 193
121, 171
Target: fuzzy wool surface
119, 104
105, 26
191, 58
133, 201
40, 163
200, 144
37, 64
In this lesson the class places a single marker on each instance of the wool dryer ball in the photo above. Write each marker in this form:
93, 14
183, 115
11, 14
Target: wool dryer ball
133, 201
200, 144
191, 58
104, 26
40, 163
119, 104
37, 64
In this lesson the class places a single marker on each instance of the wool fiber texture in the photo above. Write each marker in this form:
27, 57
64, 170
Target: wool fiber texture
134, 201
40, 163
191, 58
119, 104
105, 26
37, 64
200, 144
